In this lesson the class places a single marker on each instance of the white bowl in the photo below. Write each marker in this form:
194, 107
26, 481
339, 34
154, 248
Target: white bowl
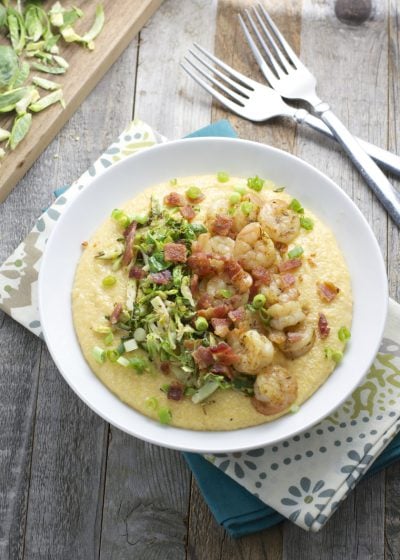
201, 156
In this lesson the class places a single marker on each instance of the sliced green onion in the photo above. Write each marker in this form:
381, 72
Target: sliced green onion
255, 183
109, 281
306, 223
138, 364
151, 403
139, 335
240, 189
101, 329
99, 354
165, 415
123, 361
109, 339
193, 192
225, 293
165, 388
201, 324
246, 207
296, 206
120, 217
173, 182
205, 391
344, 334
259, 301
235, 198
112, 355
295, 252
294, 408
334, 355
130, 345
140, 218
223, 177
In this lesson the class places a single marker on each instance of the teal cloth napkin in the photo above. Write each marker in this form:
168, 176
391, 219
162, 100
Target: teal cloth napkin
235, 508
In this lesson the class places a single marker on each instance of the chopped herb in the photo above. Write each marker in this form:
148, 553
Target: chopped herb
246, 207
235, 198
306, 223
255, 183
193, 193
165, 415
344, 334
109, 281
259, 301
223, 177
99, 354
296, 206
120, 217
295, 252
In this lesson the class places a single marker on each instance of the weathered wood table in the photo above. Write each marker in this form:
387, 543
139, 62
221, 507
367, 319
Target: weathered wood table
71, 486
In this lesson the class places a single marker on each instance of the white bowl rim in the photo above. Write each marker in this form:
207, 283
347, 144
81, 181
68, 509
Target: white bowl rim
166, 435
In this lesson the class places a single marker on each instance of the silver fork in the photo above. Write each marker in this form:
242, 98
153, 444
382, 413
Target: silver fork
257, 102
287, 75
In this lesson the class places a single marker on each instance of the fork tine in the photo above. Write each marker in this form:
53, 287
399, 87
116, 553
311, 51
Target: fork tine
243, 91
256, 51
271, 40
244, 80
285, 45
221, 98
235, 97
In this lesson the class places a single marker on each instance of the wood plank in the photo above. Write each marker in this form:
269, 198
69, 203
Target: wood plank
392, 519
209, 541
70, 441
357, 57
86, 69
147, 487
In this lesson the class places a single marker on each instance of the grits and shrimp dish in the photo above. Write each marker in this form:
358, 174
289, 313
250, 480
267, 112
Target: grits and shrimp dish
212, 302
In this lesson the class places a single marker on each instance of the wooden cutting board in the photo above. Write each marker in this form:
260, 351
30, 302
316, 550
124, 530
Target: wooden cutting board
124, 18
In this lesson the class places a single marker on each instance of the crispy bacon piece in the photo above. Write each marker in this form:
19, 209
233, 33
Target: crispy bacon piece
137, 272
218, 312
287, 280
175, 391
261, 275
116, 313
204, 302
221, 369
161, 278
239, 277
203, 357
220, 326
224, 354
327, 291
221, 225
200, 264
129, 234
187, 212
174, 199
164, 367
237, 314
194, 284
291, 264
175, 252
323, 327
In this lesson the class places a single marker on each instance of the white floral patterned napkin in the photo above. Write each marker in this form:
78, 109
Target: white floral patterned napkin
304, 478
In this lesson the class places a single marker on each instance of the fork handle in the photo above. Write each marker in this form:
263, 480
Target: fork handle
385, 159
368, 169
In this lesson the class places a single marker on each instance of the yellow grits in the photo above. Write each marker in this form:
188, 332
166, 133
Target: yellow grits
226, 409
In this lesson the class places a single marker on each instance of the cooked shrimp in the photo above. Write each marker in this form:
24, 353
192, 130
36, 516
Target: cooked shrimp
274, 390
285, 315
241, 218
298, 341
217, 285
281, 222
253, 247
255, 351
218, 245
